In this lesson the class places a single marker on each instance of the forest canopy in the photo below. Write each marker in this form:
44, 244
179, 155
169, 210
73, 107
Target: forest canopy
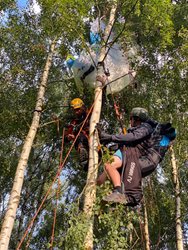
36, 88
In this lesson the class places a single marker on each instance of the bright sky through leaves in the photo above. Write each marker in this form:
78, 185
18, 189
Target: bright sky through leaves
22, 3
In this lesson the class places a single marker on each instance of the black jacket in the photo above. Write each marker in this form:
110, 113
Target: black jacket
140, 137
134, 136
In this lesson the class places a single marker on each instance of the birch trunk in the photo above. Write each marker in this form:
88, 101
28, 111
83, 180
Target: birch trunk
90, 191
179, 234
19, 176
146, 228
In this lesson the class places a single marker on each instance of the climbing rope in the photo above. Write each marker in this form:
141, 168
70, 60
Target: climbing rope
56, 176
61, 165
49, 189
119, 115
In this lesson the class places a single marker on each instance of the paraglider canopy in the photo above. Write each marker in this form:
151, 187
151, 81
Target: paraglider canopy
116, 62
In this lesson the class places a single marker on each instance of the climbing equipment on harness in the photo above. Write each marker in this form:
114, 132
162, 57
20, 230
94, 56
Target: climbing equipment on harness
76, 103
119, 117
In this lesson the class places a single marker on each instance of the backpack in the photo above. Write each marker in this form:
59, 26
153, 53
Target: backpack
160, 140
162, 136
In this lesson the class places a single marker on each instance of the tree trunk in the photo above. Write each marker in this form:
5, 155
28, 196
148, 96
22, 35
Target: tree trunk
19, 177
179, 235
146, 228
90, 191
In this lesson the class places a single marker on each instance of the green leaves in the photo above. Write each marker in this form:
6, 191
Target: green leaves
6, 4
155, 26
161, 30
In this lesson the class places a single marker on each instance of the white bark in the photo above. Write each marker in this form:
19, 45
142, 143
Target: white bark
22, 164
90, 191
179, 234
146, 229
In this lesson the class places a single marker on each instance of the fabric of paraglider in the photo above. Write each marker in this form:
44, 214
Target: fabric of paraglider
116, 62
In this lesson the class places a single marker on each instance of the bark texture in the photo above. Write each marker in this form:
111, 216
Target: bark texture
90, 191
146, 227
14, 199
179, 234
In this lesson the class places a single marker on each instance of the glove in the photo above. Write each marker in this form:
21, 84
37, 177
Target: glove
104, 137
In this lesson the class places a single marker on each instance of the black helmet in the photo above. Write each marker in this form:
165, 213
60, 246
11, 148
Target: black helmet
140, 113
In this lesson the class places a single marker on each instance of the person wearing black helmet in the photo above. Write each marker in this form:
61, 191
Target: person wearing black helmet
139, 159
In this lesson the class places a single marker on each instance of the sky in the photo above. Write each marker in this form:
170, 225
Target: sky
22, 3
3, 14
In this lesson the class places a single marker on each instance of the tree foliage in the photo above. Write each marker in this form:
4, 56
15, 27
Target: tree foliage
159, 29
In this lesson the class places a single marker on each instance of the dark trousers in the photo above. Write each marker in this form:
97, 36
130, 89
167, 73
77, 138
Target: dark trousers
135, 168
132, 176
149, 163
81, 141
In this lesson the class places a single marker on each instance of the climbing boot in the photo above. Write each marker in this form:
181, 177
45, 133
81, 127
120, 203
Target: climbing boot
116, 197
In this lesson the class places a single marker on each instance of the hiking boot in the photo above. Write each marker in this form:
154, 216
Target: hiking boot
115, 197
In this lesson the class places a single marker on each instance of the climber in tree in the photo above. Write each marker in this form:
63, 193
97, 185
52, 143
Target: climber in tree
146, 144
81, 144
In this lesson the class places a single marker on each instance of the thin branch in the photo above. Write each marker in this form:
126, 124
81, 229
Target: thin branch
117, 37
